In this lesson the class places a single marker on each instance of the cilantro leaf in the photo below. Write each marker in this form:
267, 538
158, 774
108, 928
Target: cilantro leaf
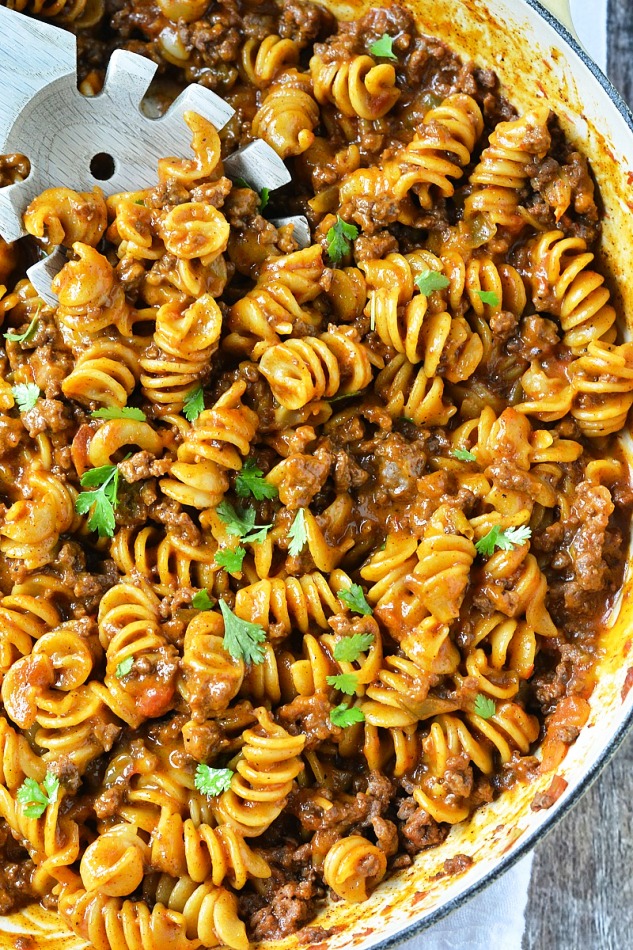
489, 297
350, 648
344, 716
119, 412
298, 534
485, 706
51, 787
212, 782
36, 799
338, 239
96, 477
240, 523
383, 47
354, 598
28, 333
242, 638
230, 560
193, 404
346, 682
429, 280
250, 480
504, 540
26, 395
463, 455
264, 194
101, 502
124, 667
201, 600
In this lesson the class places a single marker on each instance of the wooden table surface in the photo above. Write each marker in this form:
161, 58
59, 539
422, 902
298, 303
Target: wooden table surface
581, 894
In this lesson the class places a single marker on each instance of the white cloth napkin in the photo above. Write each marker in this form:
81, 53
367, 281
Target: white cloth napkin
496, 918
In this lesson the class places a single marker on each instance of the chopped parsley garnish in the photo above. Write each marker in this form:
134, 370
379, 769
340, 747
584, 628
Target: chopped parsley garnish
485, 706
230, 560
354, 598
250, 481
26, 395
28, 333
464, 455
346, 682
298, 534
383, 47
505, 540
201, 600
119, 412
240, 523
242, 638
36, 798
101, 502
350, 648
338, 239
212, 782
429, 280
124, 667
344, 716
193, 404
489, 297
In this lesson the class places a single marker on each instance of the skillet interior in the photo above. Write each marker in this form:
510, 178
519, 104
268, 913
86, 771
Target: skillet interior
527, 51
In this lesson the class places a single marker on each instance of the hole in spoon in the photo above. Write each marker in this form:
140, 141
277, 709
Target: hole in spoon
102, 166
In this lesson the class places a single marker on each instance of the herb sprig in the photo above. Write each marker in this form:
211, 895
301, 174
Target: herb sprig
504, 539
354, 598
250, 481
339, 237
124, 667
212, 782
25, 395
38, 797
350, 648
193, 404
344, 716
346, 682
489, 297
240, 523
429, 280
298, 534
231, 559
28, 334
202, 601
464, 455
242, 638
485, 706
383, 47
102, 501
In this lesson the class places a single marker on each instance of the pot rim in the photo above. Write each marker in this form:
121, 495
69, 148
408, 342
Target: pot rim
610, 749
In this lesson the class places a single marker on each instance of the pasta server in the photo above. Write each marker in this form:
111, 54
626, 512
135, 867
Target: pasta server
75, 141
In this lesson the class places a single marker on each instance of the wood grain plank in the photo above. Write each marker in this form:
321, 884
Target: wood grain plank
620, 46
581, 892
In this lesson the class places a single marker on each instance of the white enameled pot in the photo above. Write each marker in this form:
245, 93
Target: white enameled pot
537, 59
